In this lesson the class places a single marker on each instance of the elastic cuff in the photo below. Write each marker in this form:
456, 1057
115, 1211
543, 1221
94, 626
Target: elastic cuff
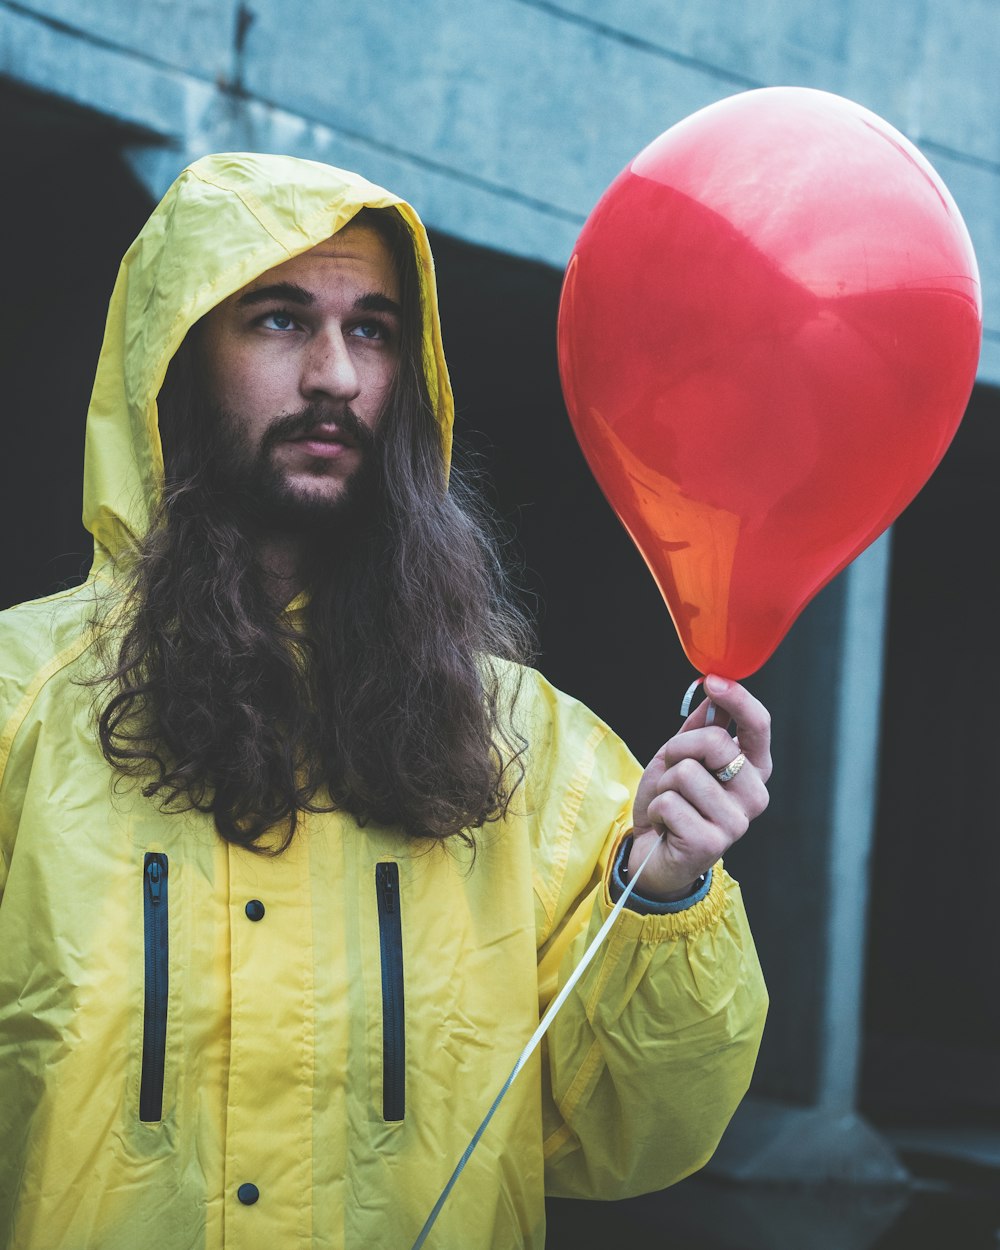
617, 883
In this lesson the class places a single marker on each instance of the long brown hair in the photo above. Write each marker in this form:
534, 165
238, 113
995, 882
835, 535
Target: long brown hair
385, 698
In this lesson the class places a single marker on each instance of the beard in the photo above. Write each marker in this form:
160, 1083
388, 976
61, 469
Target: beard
259, 491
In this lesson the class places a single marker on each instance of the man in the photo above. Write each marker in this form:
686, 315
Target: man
294, 847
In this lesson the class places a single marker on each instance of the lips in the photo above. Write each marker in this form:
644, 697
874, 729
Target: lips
326, 441
327, 433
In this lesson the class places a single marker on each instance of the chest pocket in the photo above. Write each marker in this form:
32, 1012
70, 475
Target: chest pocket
390, 929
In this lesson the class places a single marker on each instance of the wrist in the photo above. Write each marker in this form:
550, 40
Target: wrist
674, 896
618, 882
653, 884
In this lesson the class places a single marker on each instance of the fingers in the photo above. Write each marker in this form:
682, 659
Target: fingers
753, 721
744, 797
691, 769
688, 786
715, 748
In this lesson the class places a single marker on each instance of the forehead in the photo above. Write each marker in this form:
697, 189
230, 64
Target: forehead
356, 256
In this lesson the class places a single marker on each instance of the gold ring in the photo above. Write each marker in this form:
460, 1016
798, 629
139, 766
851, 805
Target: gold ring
731, 769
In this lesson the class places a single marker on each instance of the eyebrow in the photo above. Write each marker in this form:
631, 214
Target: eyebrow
375, 301
288, 291
292, 293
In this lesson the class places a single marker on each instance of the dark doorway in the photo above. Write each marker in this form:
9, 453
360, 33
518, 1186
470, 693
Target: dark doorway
933, 1014
69, 211
605, 634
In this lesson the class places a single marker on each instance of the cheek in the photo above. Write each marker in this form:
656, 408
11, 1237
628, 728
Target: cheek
377, 385
256, 392
235, 369
239, 380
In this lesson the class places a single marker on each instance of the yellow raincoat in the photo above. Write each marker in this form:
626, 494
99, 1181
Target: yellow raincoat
185, 1025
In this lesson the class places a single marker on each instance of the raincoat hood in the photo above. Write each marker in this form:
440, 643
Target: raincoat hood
226, 219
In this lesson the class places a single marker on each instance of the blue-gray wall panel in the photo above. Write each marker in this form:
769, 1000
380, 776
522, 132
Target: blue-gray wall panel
100, 77
516, 98
195, 35
959, 105
505, 121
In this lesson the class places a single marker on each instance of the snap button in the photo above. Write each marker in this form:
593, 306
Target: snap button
254, 909
248, 1194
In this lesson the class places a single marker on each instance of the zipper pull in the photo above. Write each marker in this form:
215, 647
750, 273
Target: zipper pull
154, 875
390, 898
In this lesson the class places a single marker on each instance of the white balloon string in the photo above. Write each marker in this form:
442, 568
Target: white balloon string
536, 1037
689, 696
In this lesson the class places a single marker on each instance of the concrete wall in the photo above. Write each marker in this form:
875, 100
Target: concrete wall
505, 120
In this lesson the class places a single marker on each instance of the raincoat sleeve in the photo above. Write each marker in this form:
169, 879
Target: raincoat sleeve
25, 663
653, 1050
38, 642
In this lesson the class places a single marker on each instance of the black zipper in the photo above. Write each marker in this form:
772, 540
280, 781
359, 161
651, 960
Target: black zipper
390, 931
154, 1018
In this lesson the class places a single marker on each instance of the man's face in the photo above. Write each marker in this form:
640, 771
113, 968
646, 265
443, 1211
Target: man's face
299, 365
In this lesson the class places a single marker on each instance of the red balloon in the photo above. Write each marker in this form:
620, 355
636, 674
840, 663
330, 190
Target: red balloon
768, 332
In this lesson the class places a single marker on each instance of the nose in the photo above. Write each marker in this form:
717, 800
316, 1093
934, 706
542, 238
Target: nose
328, 369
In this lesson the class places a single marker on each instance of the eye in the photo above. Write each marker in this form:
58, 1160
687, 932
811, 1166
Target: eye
373, 330
278, 319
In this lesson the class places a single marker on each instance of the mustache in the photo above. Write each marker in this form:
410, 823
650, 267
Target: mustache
294, 424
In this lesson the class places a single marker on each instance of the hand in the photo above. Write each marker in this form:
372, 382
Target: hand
698, 816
